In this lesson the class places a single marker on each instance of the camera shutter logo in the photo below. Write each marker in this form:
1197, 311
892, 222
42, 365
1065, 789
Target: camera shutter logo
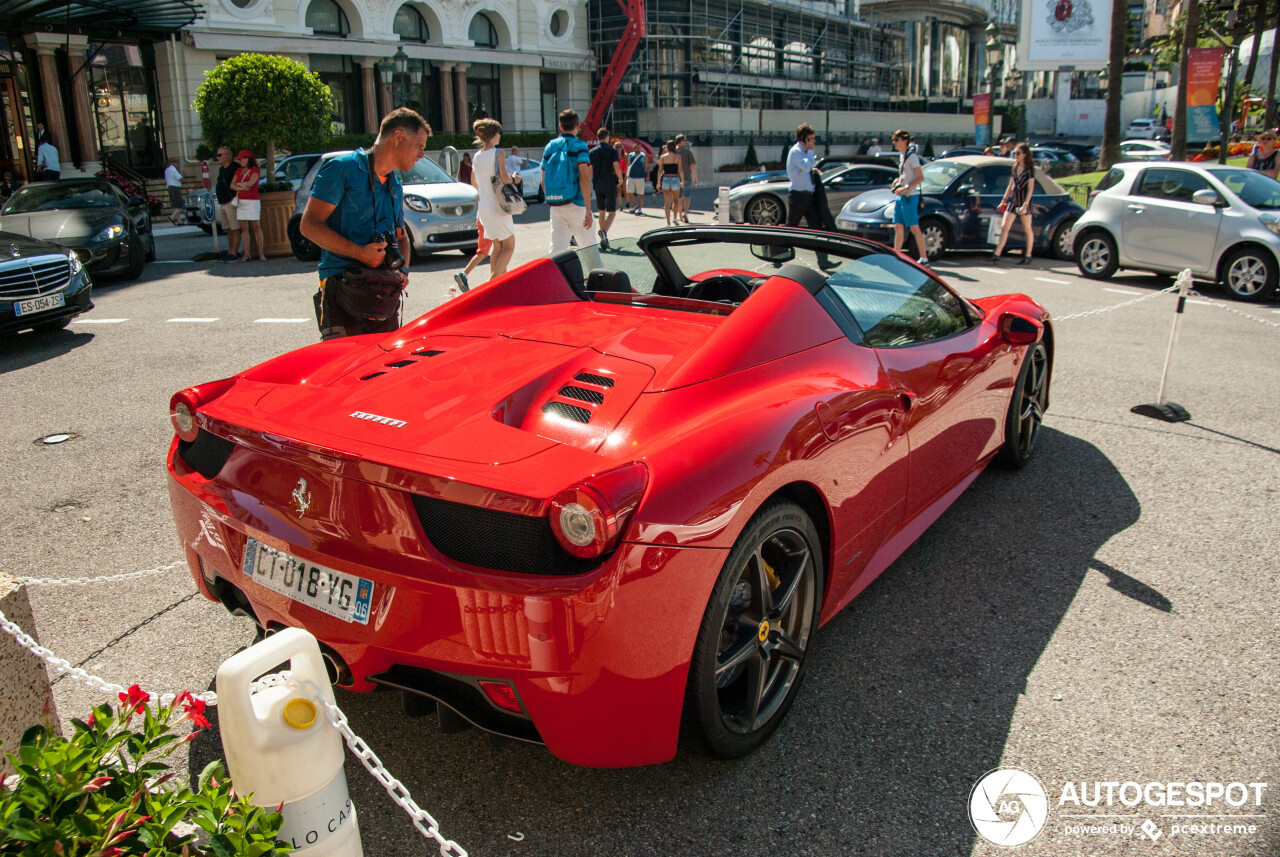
1008, 807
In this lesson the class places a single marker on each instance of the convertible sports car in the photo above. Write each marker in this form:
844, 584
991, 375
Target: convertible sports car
606, 512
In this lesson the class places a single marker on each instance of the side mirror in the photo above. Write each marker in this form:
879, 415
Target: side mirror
773, 253
1206, 196
1018, 329
964, 189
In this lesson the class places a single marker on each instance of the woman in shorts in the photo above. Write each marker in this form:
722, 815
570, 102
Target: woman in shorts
671, 178
248, 203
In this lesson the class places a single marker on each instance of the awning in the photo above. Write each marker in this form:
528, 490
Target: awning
165, 16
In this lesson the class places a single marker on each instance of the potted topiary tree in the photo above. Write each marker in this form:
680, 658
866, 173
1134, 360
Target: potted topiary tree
258, 102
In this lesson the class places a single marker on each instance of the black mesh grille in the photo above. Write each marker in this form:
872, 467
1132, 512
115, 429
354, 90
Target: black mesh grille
400, 364
206, 454
598, 380
581, 394
462, 696
567, 411
501, 541
427, 353
371, 375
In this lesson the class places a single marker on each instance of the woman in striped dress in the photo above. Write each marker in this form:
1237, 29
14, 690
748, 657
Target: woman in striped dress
1017, 201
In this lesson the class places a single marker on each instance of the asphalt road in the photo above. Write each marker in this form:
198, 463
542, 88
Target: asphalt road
1107, 614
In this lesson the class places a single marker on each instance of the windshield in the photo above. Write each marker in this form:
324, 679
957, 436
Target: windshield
939, 174
424, 172
49, 196
1256, 189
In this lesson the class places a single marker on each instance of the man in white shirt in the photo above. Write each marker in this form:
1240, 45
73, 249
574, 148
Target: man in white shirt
48, 167
173, 183
514, 164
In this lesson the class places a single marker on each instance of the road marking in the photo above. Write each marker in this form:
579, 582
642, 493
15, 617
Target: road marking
172, 262
1121, 291
190, 320
993, 270
1276, 310
98, 320
281, 320
1202, 303
1048, 280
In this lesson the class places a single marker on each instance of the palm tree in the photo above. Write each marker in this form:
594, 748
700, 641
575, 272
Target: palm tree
1270, 120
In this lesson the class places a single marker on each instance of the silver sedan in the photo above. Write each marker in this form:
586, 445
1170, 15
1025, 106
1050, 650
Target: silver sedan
1221, 222
765, 203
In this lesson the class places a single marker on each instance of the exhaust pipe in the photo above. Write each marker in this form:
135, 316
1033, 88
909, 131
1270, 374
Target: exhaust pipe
337, 669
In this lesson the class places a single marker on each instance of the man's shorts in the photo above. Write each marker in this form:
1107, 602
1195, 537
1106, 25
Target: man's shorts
635, 187
227, 214
906, 210
686, 189
607, 200
175, 198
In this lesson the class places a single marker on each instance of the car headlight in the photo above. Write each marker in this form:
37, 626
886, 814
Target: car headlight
1272, 222
887, 214
74, 262
113, 231
417, 203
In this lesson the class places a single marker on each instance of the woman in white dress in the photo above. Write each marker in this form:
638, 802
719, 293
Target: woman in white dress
498, 226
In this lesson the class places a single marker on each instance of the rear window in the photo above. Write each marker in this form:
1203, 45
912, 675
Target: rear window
1110, 180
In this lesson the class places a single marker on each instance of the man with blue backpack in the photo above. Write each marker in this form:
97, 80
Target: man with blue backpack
566, 183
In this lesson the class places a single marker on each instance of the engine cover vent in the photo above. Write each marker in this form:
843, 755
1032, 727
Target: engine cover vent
581, 394
427, 352
400, 364
598, 380
371, 375
567, 411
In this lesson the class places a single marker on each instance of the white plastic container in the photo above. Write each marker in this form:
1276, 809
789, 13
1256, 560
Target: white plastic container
281, 750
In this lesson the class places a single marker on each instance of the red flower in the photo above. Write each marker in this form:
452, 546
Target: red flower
133, 700
194, 709
96, 783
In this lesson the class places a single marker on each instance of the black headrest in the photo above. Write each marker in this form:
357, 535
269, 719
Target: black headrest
571, 266
608, 280
805, 276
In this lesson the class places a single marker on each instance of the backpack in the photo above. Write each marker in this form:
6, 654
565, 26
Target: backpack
559, 172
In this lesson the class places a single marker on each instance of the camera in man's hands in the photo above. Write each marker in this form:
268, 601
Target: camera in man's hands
393, 260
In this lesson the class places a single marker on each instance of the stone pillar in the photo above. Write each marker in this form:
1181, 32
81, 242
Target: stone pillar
54, 118
446, 98
460, 97
384, 97
369, 77
24, 684
86, 138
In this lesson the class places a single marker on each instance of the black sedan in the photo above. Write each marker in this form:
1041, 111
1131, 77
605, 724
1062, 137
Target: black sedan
109, 230
42, 286
958, 209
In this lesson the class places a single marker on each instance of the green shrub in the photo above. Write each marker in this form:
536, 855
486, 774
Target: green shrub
751, 159
106, 791
928, 147
257, 101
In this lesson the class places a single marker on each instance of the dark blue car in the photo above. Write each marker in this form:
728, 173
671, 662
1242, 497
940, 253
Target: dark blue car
960, 196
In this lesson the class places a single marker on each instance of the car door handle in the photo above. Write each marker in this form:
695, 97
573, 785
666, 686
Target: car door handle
1137, 209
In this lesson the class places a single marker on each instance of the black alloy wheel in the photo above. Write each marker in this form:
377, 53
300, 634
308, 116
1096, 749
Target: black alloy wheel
1026, 409
753, 643
303, 249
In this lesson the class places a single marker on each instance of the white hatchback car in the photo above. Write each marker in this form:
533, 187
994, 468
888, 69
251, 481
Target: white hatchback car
1221, 222
1143, 150
1143, 129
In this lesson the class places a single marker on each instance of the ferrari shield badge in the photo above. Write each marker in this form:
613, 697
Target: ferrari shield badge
301, 498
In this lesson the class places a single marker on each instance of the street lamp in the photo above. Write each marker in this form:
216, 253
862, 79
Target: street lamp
401, 59
386, 71
995, 59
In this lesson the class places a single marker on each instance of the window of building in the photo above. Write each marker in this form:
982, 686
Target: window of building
482, 31
326, 18
410, 25
547, 89
559, 23
344, 83
484, 98
127, 125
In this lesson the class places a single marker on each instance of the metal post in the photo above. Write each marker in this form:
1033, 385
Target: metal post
1170, 412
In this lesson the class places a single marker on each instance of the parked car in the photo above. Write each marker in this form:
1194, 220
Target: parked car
110, 232
1056, 162
1084, 152
957, 151
1221, 222
531, 180
824, 164
765, 203
1143, 150
439, 212
42, 285
959, 202
1143, 129
604, 512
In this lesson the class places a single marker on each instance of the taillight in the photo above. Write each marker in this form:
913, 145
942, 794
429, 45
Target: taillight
185, 403
588, 518
502, 695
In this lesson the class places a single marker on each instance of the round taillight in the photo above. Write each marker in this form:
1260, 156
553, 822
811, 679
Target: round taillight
580, 520
183, 416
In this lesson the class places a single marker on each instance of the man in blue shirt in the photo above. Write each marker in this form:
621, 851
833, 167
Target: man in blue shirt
355, 199
801, 170
570, 202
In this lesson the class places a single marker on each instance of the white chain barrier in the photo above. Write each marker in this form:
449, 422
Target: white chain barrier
1122, 305
1208, 301
422, 820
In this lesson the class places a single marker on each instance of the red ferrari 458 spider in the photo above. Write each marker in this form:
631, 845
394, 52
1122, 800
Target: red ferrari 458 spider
604, 501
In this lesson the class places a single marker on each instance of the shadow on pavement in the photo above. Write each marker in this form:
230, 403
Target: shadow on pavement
29, 349
908, 701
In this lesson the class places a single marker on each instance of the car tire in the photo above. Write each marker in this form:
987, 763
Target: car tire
151, 247
740, 686
52, 326
303, 248
1061, 247
137, 259
937, 237
1096, 255
766, 210
1026, 410
1249, 274
207, 228
541, 197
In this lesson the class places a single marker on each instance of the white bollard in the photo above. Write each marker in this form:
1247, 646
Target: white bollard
722, 207
281, 749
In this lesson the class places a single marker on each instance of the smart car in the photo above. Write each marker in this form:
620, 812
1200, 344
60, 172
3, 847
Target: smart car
606, 500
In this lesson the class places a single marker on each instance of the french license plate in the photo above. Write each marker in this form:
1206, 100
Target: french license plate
343, 596
458, 227
39, 304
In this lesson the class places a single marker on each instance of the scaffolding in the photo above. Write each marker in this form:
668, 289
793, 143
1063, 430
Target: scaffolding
751, 54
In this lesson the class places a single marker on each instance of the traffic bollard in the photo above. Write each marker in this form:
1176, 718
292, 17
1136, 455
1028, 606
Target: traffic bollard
722, 208
1169, 412
282, 751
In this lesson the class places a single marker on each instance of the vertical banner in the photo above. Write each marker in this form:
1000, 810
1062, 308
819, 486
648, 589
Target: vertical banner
982, 118
1204, 70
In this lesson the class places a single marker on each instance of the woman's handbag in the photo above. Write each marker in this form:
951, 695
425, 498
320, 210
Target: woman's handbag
510, 199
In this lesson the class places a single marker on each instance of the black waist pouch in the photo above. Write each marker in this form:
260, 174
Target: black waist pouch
372, 293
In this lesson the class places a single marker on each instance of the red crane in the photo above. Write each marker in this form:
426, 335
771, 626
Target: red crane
612, 79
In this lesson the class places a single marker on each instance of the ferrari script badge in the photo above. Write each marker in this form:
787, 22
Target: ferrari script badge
302, 497
375, 418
